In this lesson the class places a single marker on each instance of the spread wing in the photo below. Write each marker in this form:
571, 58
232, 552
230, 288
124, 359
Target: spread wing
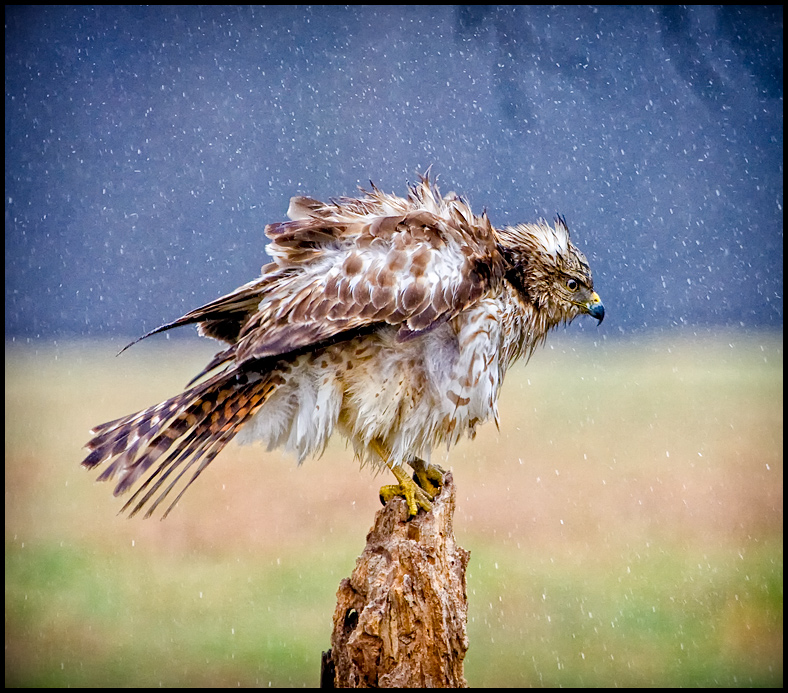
352, 264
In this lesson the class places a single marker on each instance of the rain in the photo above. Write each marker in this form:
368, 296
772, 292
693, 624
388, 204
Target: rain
146, 148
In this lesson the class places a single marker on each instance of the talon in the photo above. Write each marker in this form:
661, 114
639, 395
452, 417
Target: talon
414, 496
428, 476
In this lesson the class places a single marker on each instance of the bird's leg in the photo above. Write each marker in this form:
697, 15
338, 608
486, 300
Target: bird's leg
414, 496
428, 476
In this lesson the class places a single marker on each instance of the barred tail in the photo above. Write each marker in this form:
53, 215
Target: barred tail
193, 427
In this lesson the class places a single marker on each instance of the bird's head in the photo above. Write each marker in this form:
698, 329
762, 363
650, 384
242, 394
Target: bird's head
549, 272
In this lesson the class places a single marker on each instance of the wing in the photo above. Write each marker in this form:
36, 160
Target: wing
222, 318
352, 265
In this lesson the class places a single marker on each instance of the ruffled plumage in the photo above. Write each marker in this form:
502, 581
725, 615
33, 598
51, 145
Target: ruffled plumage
396, 317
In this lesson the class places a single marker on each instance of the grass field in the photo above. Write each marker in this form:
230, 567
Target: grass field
625, 527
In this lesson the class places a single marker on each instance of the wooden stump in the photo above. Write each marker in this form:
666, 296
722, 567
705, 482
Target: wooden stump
400, 617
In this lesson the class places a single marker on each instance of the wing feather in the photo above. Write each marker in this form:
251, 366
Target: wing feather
353, 268
351, 264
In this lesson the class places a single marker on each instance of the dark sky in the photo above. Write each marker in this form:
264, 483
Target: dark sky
147, 147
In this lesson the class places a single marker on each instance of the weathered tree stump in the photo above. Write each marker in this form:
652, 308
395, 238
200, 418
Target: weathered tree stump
400, 617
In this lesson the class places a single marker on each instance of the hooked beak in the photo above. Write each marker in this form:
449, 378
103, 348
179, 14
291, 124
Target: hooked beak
595, 308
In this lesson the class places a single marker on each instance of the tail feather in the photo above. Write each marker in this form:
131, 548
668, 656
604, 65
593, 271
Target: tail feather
193, 427
165, 469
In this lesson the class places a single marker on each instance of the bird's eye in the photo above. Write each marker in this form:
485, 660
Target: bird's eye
571, 284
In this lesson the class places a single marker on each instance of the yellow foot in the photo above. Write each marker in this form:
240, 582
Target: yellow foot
428, 476
414, 496
418, 491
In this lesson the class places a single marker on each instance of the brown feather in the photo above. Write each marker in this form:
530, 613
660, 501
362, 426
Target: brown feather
395, 318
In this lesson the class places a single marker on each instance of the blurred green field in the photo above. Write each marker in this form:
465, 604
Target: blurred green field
625, 527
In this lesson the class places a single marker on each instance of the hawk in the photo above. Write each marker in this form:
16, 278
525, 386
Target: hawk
390, 320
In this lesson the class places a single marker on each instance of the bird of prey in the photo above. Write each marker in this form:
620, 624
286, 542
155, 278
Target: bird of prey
390, 320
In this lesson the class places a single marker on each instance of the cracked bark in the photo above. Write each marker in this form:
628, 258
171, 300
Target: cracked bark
400, 619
